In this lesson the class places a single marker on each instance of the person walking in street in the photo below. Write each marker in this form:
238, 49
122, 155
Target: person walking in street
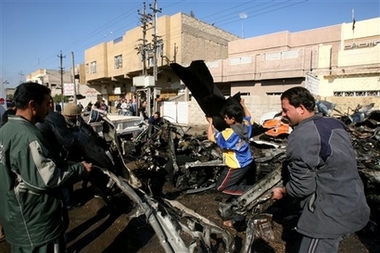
142, 110
134, 106
322, 170
30, 181
126, 107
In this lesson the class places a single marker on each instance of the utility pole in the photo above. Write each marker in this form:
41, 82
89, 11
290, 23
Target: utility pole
61, 70
73, 78
142, 48
155, 45
21, 76
145, 19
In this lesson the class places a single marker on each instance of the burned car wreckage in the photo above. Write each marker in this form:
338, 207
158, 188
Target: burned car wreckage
166, 153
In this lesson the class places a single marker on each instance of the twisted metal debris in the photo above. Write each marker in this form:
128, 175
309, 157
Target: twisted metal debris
192, 164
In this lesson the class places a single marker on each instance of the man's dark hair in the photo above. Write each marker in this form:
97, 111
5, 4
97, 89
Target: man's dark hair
299, 96
28, 91
234, 111
10, 111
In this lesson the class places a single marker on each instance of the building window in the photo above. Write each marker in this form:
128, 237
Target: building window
93, 67
356, 93
117, 40
274, 93
118, 61
292, 54
87, 69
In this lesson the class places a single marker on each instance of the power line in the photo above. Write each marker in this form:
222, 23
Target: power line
254, 12
229, 16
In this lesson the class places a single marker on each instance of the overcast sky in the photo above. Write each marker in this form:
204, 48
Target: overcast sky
34, 32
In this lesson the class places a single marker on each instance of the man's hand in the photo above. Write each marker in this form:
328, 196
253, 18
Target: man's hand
87, 166
278, 193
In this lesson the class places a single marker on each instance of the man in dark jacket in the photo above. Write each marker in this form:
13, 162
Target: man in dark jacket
155, 119
323, 175
30, 181
59, 130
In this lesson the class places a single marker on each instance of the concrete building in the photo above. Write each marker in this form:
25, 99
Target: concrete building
111, 66
331, 61
335, 62
50, 78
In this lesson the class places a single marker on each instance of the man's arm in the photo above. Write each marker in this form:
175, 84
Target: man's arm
302, 154
210, 130
40, 173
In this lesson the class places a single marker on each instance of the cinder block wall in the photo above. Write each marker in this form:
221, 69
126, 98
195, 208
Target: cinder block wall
344, 103
259, 105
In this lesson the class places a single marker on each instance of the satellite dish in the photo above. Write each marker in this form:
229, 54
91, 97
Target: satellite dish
243, 15
192, 14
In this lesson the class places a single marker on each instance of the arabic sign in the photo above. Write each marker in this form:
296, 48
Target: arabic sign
312, 84
68, 89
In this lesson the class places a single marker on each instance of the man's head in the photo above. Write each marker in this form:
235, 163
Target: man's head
156, 115
32, 101
71, 111
233, 114
297, 104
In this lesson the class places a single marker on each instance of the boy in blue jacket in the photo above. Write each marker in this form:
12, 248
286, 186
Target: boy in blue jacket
237, 154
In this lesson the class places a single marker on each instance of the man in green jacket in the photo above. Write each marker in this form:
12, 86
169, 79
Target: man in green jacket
30, 182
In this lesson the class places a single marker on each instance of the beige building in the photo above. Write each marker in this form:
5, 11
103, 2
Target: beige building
50, 78
335, 62
53, 79
111, 66
332, 61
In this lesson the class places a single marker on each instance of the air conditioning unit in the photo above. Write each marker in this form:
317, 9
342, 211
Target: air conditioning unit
143, 81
